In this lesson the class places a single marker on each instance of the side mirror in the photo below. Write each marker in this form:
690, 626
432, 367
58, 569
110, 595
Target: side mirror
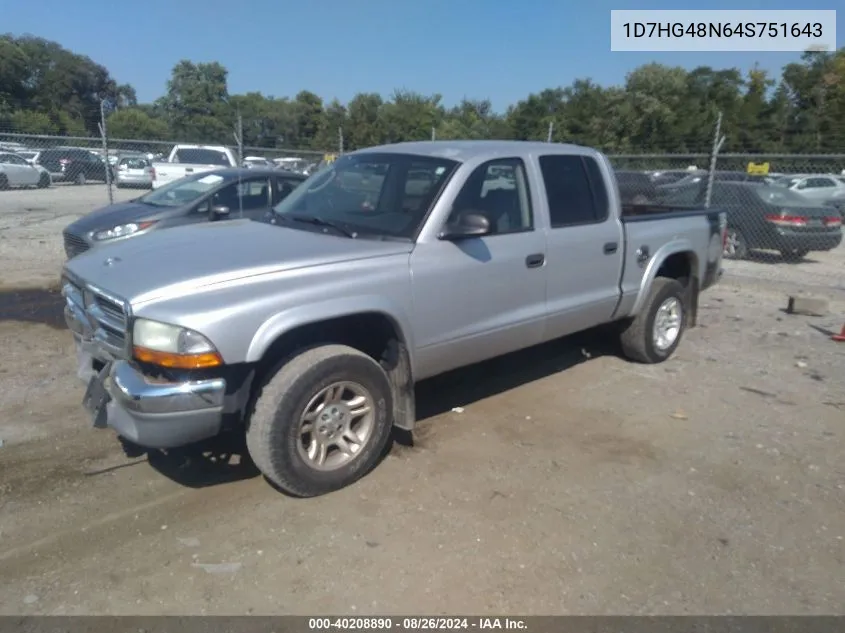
219, 211
469, 224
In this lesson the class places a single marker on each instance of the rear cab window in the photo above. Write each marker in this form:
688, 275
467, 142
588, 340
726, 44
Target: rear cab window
575, 190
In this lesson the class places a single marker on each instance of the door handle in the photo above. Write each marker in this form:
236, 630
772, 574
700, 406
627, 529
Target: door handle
610, 248
535, 261
643, 254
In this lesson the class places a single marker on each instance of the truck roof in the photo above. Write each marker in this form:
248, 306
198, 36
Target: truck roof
467, 150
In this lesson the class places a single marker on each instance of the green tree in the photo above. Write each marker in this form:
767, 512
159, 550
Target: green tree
196, 106
134, 123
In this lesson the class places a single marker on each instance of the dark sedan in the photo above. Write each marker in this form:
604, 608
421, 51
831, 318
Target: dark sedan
73, 164
769, 218
204, 197
697, 181
636, 187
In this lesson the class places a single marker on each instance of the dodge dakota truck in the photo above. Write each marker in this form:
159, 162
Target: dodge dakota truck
308, 330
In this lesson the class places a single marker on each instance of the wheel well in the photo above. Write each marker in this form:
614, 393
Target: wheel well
369, 332
373, 333
682, 268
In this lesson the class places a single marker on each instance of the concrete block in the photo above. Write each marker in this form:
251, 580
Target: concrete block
807, 306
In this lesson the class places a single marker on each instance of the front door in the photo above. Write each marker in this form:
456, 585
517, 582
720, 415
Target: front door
478, 298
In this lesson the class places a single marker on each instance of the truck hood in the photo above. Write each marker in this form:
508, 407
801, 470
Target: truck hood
116, 214
181, 260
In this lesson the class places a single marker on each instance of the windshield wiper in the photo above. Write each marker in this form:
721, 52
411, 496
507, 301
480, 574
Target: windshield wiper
318, 221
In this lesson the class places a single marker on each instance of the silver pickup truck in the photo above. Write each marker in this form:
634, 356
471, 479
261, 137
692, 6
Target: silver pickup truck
307, 331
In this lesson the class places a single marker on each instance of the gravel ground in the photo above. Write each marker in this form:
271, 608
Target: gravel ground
568, 481
31, 223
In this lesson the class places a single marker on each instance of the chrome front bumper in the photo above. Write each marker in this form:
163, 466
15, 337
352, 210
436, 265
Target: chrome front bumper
155, 413
149, 412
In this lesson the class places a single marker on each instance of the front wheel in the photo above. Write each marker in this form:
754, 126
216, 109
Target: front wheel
43, 181
655, 333
322, 421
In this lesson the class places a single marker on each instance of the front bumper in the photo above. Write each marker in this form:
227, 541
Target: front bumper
154, 413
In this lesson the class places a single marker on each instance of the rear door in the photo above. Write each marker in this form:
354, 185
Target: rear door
585, 244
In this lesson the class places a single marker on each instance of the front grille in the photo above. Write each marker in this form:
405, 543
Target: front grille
105, 319
74, 245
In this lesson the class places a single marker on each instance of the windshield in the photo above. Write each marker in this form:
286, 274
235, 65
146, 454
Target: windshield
780, 197
182, 191
376, 194
197, 156
786, 182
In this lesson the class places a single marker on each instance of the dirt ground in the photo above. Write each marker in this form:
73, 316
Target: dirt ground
567, 481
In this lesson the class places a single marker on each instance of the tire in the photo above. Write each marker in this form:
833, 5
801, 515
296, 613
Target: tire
736, 246
794, 256
273, 436
4, 182
638, 339
43, 181
80, 179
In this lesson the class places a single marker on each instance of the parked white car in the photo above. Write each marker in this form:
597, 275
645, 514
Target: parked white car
134, 171
15, 171
816, 187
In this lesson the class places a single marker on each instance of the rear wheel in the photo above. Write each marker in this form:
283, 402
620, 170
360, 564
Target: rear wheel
322, 421
655, 333
736, 246
43, 181
80, 179
4, 182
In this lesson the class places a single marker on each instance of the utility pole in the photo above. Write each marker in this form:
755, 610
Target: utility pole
551, 131
340, 140
718, 141
105, 137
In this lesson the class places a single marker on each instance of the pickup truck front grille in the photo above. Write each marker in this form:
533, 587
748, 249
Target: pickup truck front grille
97, 317
74, 245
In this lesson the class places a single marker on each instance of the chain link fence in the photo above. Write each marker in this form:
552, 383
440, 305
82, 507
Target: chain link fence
780, 207
119, 163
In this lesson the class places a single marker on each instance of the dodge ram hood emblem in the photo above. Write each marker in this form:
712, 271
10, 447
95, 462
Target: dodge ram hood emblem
111, 261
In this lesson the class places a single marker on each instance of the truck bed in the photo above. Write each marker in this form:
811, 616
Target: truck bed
644, 212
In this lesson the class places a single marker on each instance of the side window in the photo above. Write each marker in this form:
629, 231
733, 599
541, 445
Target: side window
568, 191
249, 195
283, 188
499, 190
819, 183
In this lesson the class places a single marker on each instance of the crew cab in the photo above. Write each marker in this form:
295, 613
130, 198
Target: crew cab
187, 160
394, 264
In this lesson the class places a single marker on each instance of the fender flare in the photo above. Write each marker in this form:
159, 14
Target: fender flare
663, 253
315, 312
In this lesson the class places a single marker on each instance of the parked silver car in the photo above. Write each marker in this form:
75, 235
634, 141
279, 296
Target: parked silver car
134, 171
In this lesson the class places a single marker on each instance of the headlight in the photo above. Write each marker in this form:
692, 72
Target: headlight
172, 346
122, 230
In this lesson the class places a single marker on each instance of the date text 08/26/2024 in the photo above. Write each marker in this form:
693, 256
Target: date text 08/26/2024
415, 623
722, 31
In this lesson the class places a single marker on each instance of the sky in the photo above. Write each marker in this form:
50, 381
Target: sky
500, 50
